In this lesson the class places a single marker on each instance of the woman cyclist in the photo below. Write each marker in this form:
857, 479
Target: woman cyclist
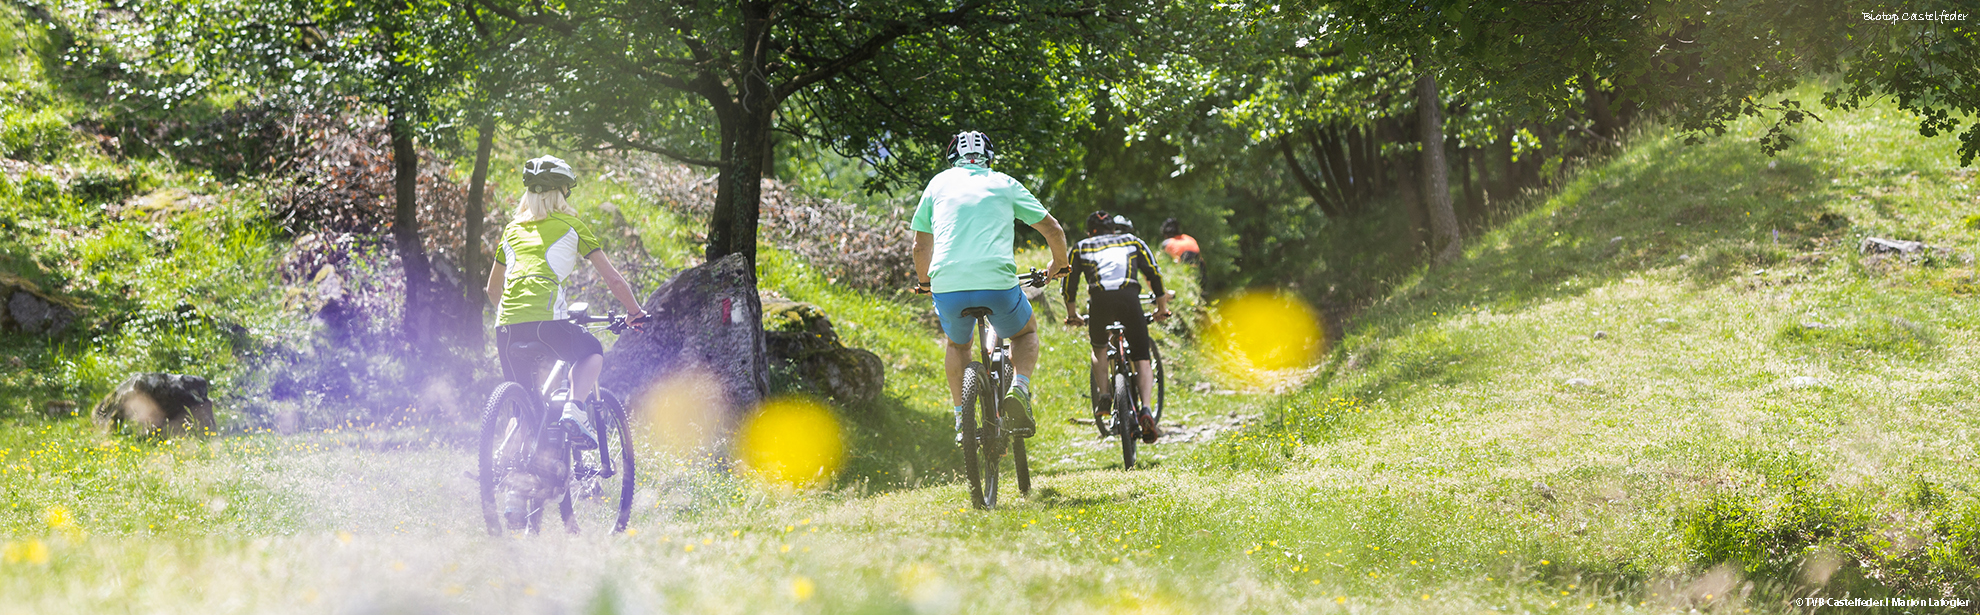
541, 247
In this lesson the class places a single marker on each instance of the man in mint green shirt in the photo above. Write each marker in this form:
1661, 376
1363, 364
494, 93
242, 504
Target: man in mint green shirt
963, 253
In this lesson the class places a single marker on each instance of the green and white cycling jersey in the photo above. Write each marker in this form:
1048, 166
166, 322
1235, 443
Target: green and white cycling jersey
538, 256
968, 209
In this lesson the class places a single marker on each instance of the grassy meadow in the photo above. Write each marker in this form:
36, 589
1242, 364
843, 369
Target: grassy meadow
1673, 383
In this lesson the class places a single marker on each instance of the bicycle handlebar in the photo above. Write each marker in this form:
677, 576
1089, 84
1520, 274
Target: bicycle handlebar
617, 324
1036, 279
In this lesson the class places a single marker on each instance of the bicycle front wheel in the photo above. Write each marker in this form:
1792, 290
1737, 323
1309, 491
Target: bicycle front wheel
1161, 381
615, 432
507, 429
1023, 466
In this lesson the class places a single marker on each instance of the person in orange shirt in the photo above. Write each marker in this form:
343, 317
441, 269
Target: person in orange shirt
1180, 247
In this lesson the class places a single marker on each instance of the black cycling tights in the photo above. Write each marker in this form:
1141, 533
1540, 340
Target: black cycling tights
571, 343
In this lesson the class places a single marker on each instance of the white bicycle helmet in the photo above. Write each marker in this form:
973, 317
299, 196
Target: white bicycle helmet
971, 144
548, 173
1123, 225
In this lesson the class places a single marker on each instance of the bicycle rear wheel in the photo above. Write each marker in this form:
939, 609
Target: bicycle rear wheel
508, 427
973, 383
991, 438
1124, 419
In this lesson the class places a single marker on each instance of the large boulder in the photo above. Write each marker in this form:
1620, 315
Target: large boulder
707, 321
154, 402
803, 344
28, 310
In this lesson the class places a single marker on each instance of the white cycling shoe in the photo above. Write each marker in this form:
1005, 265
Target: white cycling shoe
577, 425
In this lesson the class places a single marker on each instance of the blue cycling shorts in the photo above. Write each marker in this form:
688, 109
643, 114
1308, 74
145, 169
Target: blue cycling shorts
1009, 312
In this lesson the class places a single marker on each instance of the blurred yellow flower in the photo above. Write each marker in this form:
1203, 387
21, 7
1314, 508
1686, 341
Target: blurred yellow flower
793, 441
33, 552
1264, 331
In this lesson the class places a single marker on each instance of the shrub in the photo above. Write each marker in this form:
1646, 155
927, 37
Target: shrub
41, 135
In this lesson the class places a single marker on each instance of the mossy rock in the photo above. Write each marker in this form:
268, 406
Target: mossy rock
800, 337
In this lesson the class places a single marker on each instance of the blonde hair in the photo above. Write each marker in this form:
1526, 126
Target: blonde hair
536, 206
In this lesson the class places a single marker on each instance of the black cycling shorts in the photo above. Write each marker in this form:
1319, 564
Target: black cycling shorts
569, 342
1123, 306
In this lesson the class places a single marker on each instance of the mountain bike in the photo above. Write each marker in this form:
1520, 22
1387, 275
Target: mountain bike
984, 383
526, 458
1125, 396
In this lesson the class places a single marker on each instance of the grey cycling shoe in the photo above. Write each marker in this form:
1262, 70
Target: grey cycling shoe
959, 426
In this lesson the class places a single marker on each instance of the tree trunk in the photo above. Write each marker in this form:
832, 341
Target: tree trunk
1361, 166
1474, 205
405, 234
1326, 157
747, 144
473, 270
1507, 183
1410, 197
1337, 155
1436, 172
1606, 124
1320, 197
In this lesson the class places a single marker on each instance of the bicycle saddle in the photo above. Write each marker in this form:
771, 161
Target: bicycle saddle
976, 312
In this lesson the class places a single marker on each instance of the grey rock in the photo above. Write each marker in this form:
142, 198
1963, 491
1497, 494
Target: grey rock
706, 318
1666, 321
1580, 382
33, 314
1601, 335
155, 402
1879, 245
1803, 382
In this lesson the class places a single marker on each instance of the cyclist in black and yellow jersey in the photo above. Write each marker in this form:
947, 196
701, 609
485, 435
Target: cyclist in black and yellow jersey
1109, 259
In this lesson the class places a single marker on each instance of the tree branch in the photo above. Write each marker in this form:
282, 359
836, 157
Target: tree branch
619, 142
560, 25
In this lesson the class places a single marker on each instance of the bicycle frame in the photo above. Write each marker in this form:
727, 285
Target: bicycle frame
558, 375
994, 351
1118, 362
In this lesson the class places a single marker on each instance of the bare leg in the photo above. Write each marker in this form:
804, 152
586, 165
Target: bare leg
1145, 382
584, 376
1024, 348
1100, 388
953, 362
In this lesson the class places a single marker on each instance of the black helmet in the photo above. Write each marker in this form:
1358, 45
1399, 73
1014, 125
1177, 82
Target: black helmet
548, 173
971, 142
1099, 221
1171, 228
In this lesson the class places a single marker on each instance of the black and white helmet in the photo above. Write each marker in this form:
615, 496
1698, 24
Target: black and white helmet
971, 143
1123, 225
548, 173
